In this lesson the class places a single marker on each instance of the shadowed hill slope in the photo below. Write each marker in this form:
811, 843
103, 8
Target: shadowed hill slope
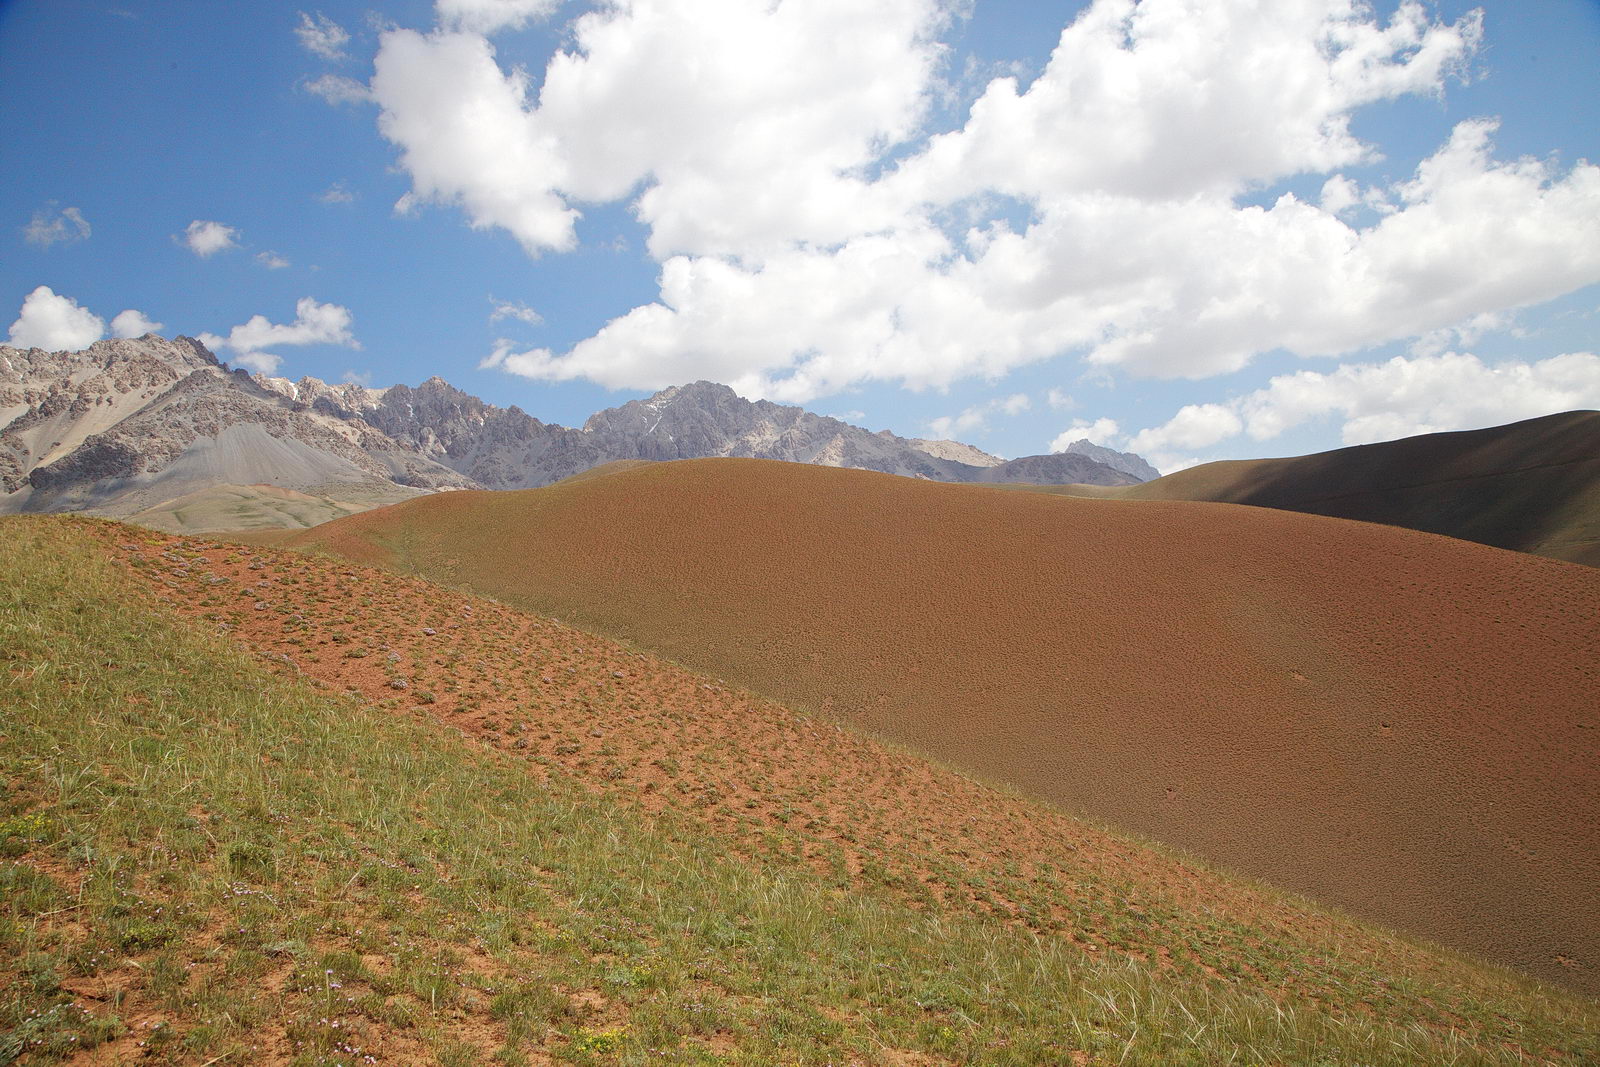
1401, 724
1531, 486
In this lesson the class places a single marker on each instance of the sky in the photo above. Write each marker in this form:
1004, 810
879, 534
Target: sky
1194, 229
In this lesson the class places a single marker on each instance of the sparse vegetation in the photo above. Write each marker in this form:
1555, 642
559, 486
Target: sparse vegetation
213, 860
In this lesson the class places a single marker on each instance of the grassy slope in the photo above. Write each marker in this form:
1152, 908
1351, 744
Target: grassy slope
1398, 723
208, 862
1531, 486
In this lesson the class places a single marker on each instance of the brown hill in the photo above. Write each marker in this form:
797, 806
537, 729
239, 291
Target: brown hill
1530, 486
1400, 724
443, 862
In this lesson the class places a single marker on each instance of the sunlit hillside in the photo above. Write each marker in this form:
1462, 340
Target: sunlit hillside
1398, 723
264, 808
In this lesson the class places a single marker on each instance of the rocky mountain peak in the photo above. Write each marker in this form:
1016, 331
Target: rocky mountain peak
1126, 462
702, 390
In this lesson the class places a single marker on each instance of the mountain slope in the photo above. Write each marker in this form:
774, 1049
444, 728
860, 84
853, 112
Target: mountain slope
1531, 486
505, 448
1397, 723
1126, 462
126, 425
211, 857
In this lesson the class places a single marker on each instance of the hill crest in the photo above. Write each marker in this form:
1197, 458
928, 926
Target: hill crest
1531, 486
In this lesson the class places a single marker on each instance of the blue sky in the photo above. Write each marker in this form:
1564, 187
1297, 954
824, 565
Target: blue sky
1195, 230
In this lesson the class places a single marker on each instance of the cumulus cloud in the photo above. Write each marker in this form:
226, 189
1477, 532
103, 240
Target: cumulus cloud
1400, 397
55, 323
976, 419
509, 309
271, 260
1194, 426
1179, 99
206, 239
337, 193
466, 136
51, 227
338, 89
491, 16
741, 125
131, 323
314, 323
812, 235
321, 36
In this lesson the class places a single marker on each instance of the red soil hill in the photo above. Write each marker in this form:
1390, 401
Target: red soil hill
1401, 724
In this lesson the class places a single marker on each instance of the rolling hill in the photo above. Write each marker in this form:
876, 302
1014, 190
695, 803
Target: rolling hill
270, 808
1399, 724
1531, 486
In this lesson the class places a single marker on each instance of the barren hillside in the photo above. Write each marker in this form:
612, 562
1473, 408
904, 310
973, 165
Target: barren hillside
1401, 724
1531, 486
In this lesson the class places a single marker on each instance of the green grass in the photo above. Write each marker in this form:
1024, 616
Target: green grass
218, 864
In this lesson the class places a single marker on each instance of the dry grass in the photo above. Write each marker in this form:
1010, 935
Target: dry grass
1399, 724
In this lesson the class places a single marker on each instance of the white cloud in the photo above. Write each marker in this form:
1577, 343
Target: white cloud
466, 136
1179, 99
131, 323
1101, 431
508, 309
314, 323
337, 193
206, 239
55, 323
976, 419
1401, 397
1463, 334
271, 260
1194, 426
491, 16
502, 356
741, 125
948, 427
1060, 399
338, 89
49, 227
322, 36
809, 239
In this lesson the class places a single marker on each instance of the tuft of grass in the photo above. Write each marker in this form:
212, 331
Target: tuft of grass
232, 866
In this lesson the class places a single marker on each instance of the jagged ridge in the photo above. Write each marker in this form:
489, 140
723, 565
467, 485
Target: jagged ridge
128, 426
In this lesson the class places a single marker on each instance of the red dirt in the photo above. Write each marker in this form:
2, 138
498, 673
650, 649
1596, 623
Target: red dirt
1401, 724
777, 786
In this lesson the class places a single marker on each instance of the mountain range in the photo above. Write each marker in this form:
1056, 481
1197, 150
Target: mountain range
161, 432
